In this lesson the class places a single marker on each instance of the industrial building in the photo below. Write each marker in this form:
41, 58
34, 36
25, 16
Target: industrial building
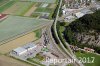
24, 49
79, 14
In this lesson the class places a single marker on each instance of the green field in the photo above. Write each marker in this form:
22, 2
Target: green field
15, 25
34, 15
84, 54
2, 2
16, 7
38, 33
6, 6
37, 59
44, 10
24, 7
46, 1
47, 10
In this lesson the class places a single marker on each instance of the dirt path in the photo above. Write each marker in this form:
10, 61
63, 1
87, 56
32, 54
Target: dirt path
31, 10
5, 48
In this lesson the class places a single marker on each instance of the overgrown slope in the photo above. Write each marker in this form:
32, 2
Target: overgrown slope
85, 31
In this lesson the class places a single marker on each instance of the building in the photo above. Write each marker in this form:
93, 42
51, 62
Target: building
44, 5
86, 11
79, 14
97, 7
19, 51
89, 49
3, 16
24, 49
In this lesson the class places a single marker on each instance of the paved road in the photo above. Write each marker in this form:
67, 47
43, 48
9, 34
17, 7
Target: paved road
70, 55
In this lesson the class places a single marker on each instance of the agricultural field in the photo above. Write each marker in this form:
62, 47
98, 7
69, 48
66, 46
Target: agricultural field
5, 6
9, 61
89, 55
45, 1
2, 2
34, 8
16, 25
44, 8
18, 8
7, 47
20, 28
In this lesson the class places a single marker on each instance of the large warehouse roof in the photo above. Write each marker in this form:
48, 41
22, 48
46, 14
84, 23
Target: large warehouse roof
25, 48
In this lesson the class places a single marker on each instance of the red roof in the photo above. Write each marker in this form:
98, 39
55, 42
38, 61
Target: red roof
2, 16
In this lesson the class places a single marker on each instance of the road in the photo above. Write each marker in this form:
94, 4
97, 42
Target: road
70, 55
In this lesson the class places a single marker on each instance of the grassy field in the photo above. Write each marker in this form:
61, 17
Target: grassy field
24, 7
6, 6
47, 10
38, 33
18, 8
29, 8
34, 15
34, 61
33, 8
96, 60
46, 1
16, 25
2, 2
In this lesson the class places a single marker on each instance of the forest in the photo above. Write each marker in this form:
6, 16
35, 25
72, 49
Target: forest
88, 24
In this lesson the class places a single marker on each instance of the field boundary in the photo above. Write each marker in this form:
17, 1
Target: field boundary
21, 34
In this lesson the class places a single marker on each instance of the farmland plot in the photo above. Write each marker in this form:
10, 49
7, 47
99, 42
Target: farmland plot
6, 48
2, 2
16, 25
19, 8
46, 1
31, 10
6, 6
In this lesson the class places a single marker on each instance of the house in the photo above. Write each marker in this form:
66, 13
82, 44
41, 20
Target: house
88, 49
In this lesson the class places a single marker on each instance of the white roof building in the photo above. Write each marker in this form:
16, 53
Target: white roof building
86, 11
24, 49
19, 51
98, 7
79, 14
44, 5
